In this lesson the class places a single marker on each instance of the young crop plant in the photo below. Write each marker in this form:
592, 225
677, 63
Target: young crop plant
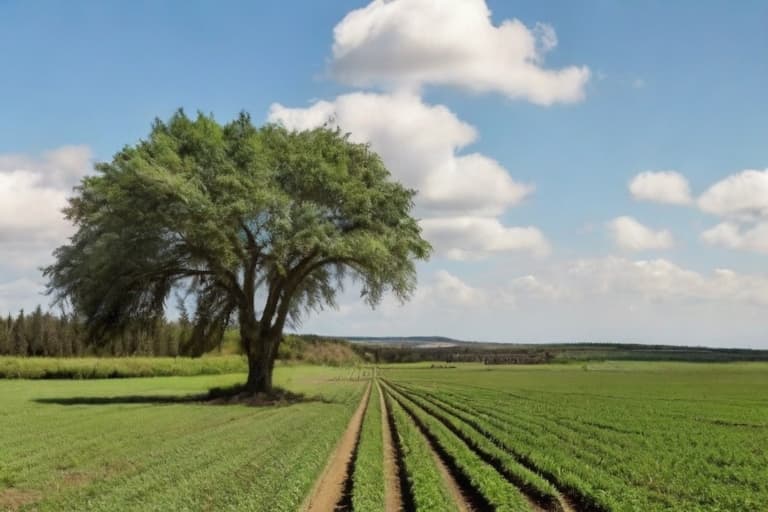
427, 486
533, 484
489, 484
368, 477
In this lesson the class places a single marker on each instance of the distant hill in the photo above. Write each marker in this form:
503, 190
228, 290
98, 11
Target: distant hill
441, 348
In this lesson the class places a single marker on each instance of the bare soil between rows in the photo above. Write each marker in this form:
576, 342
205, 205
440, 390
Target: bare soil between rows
393, 497
329, 490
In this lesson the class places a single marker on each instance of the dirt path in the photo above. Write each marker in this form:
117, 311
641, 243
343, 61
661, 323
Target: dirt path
392, 494
453, 486
329, 488
566, 504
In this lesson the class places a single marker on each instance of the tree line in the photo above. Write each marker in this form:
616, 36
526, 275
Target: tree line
44, 334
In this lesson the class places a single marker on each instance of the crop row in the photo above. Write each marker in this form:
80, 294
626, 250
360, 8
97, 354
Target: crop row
491, 489
533, 484
673, 464
425, 486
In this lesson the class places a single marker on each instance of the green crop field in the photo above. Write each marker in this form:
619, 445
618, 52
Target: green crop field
122, 445
628, 436
607, 436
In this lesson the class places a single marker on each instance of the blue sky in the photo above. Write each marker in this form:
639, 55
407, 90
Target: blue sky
671, 87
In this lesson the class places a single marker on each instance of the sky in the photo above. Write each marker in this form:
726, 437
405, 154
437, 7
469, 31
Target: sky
591, 171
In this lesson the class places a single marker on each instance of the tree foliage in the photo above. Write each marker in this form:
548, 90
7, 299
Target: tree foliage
258, 224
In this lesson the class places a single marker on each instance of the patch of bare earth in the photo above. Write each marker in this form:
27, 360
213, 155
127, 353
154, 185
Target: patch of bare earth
329, 488
392, 494
12, 499
453, 486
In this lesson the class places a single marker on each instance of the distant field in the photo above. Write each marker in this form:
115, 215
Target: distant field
628, 436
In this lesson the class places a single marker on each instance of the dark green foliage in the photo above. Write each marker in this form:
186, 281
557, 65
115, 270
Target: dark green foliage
19, 336
5, 338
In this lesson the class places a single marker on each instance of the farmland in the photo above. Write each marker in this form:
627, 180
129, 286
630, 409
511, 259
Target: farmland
587, 437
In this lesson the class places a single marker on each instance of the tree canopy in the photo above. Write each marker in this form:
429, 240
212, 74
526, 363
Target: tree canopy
259, 224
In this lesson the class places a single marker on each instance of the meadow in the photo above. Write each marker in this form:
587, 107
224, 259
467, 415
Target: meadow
608, 436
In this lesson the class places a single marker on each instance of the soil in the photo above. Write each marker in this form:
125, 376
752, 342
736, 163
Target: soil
329, 488
461, 502
13, 499
392, 494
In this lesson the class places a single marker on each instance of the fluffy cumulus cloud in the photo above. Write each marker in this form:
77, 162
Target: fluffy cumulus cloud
631, 235
743, 196
33, 191
742, 200
731, 235
420, 145
460, 194
661, 187
449, 289
466, 238
408, 43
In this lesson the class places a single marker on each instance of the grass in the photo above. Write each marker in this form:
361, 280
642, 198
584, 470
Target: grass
167, 456
117, 367
368, 476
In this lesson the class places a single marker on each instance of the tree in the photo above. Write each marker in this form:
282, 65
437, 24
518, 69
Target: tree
259, 225
36, 341
5, 339
19, 336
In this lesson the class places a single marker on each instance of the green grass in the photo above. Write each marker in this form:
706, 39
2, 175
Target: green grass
97, 455
368, 477
623, 436
117, 367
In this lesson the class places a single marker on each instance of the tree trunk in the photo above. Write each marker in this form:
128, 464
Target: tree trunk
259, 373
261, 351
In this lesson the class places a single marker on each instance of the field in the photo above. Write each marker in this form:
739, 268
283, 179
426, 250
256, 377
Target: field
589, 437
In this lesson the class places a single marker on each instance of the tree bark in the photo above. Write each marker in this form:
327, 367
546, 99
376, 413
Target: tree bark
261, 350
259, 373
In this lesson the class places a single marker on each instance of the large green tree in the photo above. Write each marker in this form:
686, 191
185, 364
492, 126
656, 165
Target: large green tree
259, 224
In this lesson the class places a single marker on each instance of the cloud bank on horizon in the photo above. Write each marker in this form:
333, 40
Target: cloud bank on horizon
487, 267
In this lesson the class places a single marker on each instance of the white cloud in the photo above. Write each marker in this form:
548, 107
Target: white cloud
532, 287
33, 192
465, 238
598, 299
742, 196
419, 144
731, 236
661, 187
662, 280
409, 43
629, 234
449, 289
461, 195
